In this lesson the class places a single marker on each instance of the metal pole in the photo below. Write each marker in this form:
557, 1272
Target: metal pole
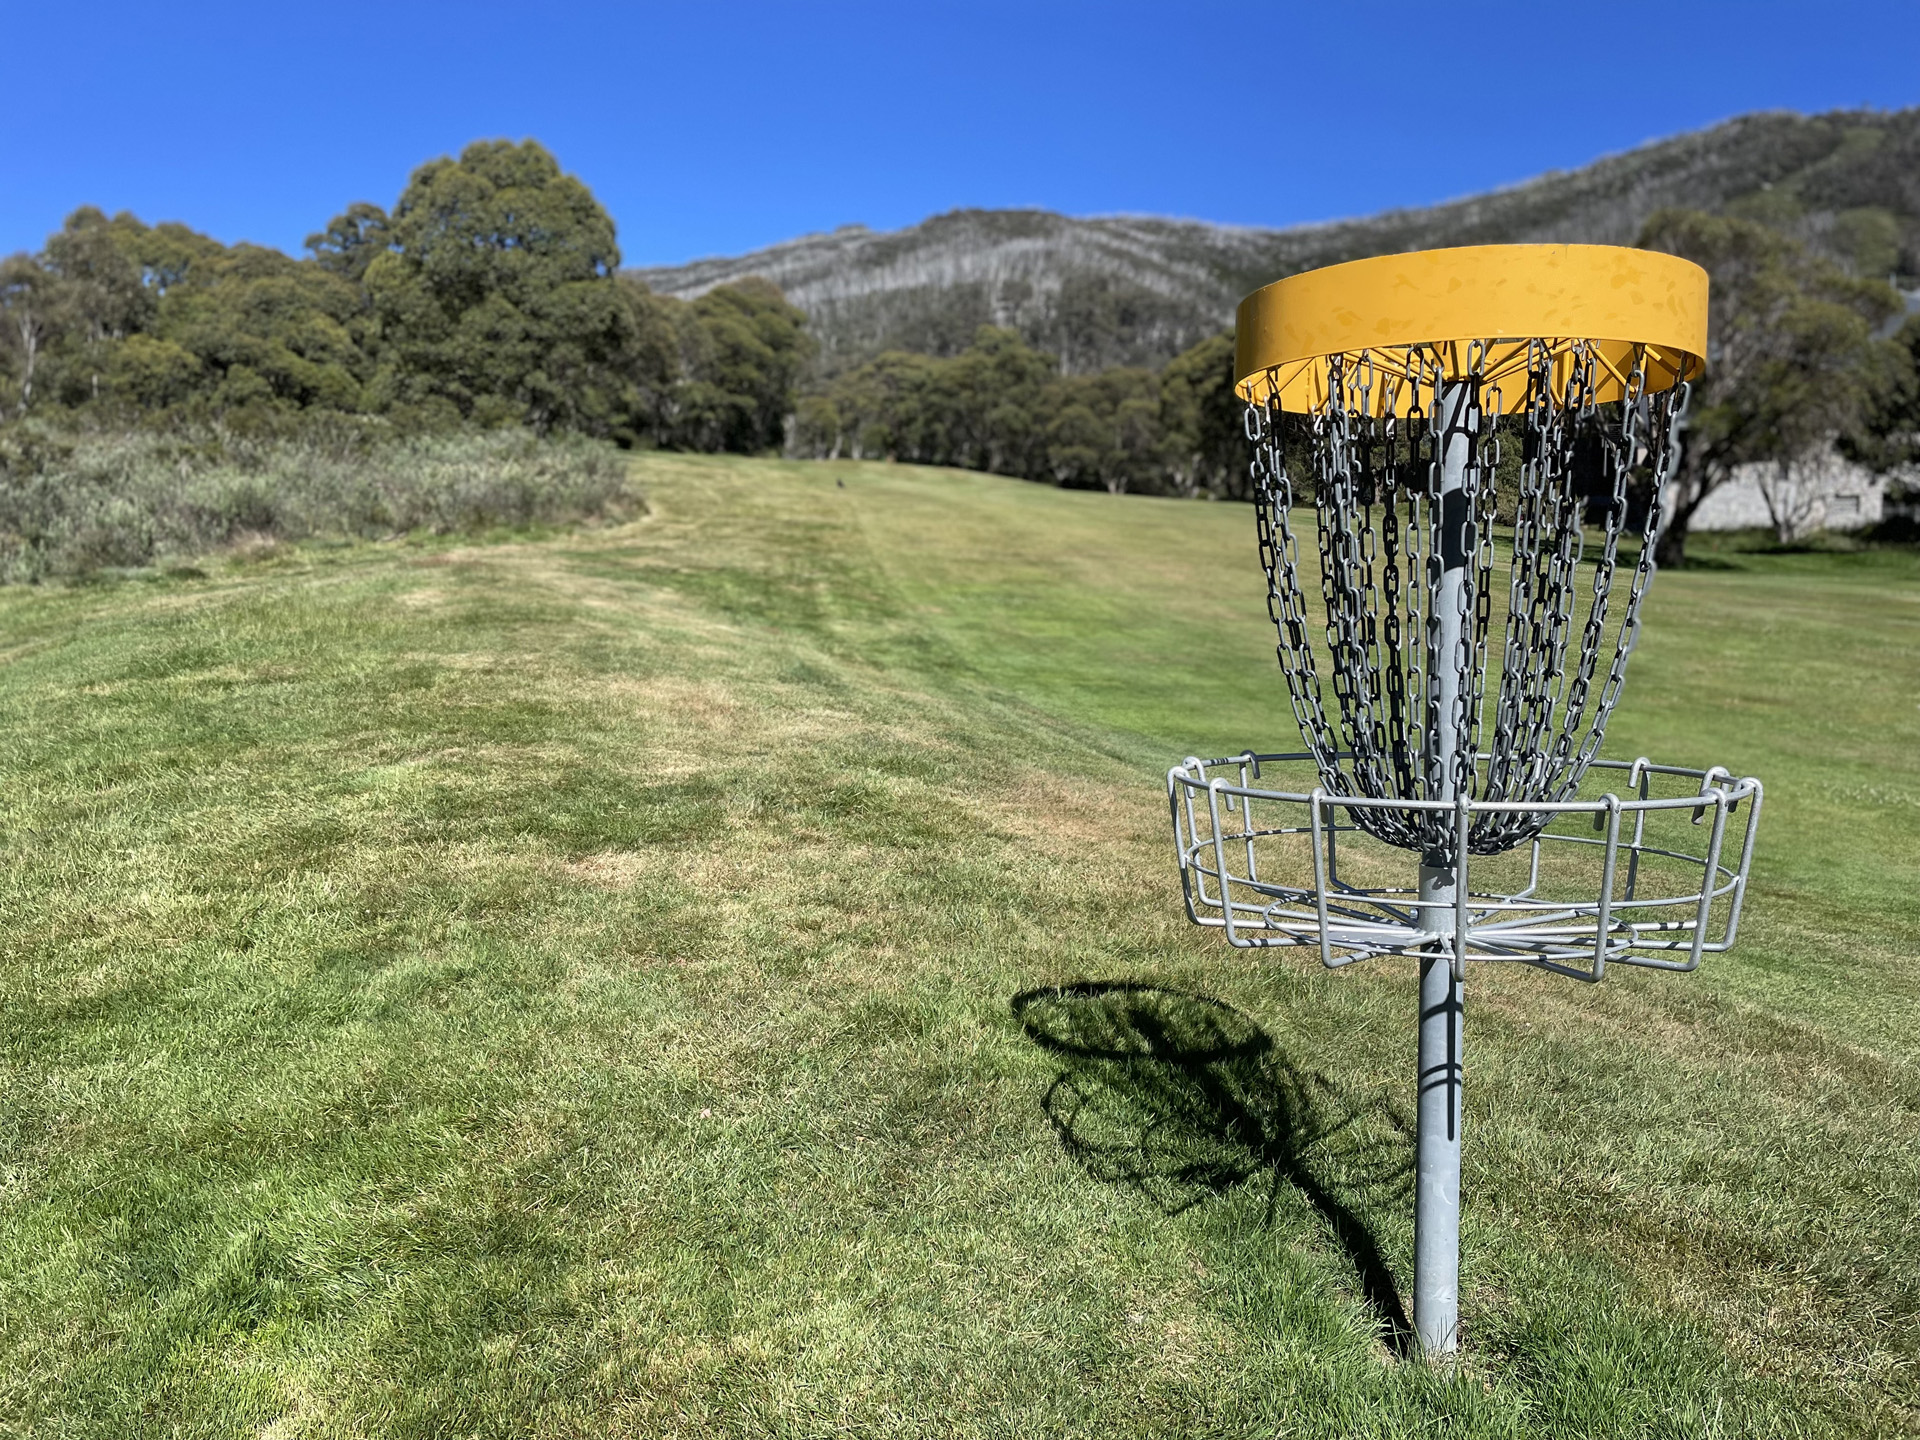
1436, 1218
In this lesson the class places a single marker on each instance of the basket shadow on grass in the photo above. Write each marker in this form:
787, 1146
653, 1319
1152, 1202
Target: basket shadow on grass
1184, 1098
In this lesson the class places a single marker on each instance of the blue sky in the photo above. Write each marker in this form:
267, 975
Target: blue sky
711, 129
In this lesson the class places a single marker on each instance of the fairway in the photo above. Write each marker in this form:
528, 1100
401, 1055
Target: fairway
725, 975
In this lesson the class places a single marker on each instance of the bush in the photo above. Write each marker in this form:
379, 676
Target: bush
74, 504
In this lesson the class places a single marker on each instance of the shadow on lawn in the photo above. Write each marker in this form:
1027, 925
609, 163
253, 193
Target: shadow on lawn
1183, 1097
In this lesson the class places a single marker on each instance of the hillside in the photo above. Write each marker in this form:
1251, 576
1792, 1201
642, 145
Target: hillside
1137, 290
725, 975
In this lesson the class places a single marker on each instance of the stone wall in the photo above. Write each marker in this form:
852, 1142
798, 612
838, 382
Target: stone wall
1832, 494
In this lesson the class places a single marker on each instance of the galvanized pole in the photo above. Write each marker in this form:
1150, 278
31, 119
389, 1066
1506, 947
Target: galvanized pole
1436, 1219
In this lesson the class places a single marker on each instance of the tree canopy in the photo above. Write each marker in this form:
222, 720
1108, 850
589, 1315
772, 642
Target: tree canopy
494, 292
1795, 367
490, 295
1003, 407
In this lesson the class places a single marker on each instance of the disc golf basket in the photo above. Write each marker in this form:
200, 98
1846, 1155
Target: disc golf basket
1484, 437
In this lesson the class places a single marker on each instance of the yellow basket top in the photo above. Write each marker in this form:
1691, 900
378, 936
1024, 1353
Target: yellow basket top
1477, 304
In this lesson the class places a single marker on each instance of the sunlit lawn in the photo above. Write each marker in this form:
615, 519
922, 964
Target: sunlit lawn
631, 983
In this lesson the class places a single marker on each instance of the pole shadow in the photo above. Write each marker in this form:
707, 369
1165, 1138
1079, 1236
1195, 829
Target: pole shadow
1183, 1098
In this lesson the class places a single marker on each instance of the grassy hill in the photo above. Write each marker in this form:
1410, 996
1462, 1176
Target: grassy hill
1134, 290
630, 982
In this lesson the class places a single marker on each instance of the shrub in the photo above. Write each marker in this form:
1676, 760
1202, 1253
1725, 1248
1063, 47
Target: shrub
74, 504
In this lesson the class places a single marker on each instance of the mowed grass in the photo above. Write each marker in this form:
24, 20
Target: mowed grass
725, 976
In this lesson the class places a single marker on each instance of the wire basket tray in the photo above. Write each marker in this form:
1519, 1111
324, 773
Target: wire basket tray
1654, 879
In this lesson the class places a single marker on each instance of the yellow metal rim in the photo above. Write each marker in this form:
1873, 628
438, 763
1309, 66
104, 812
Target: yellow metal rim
1484, 307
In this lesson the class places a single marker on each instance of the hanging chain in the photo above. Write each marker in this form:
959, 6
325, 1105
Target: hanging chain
1528, 730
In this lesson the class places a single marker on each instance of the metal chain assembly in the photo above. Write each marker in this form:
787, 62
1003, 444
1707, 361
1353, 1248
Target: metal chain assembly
1587, 477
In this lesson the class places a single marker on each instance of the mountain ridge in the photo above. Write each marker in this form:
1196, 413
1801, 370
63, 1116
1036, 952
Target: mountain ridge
1099, 291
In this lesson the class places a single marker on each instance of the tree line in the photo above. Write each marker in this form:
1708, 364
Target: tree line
489, 295
1806, 359
1004, 407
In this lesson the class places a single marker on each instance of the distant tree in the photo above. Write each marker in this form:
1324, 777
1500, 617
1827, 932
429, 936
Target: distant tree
30, 302
154, 374
819, 429
169, 254
106, 298
1821, 391
258, 327
1793, 369
743, 347
998, 390
351, 240
490, 294
1105, 431
1867, 239
496, 293
1205, 445
1890, 439
96, 257
120, 314
651, 366
716, 373
1004, 407
888, 411
985, 408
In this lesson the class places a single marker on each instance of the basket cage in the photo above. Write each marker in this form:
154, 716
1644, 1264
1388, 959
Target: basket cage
1652, 872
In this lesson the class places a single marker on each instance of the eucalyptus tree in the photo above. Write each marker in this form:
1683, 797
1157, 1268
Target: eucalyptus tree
30, 302
259, 326
1204, 445
1795, 368
495, 292
742, 350
351, 240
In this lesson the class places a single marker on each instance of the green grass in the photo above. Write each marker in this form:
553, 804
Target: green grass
630, 983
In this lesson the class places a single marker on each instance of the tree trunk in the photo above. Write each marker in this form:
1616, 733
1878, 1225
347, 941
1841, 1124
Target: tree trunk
30, 343
1693, 481
1670, 551
1779, 506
